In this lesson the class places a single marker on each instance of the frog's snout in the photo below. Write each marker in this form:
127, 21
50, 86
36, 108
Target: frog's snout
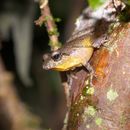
45, 57
44, 60
45, 66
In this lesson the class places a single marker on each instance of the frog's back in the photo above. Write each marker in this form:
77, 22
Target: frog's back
77, 43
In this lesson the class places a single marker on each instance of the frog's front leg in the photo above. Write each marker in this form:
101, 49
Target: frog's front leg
70, 76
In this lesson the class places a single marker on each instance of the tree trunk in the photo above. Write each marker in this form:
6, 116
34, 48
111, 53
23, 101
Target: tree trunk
105, 104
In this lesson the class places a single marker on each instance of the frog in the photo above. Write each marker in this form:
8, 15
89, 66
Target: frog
78, 50
75, 53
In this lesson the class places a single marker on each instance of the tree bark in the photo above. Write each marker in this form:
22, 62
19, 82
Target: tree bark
104, 105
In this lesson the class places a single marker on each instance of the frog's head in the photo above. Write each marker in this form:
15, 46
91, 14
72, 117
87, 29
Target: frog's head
59, 61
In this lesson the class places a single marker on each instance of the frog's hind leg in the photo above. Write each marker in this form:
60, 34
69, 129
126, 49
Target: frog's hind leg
100, 40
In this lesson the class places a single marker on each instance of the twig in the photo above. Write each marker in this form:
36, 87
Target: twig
47, 18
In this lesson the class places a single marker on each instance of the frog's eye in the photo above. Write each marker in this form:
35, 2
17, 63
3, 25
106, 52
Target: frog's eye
56, 56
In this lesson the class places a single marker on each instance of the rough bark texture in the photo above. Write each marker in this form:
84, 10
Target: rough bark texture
104, 105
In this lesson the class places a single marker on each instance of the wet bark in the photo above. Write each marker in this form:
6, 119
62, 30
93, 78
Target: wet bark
103, 102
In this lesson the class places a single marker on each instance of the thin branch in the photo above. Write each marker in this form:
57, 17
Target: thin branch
47, 18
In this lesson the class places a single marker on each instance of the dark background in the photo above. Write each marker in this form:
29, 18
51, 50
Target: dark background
45, 97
